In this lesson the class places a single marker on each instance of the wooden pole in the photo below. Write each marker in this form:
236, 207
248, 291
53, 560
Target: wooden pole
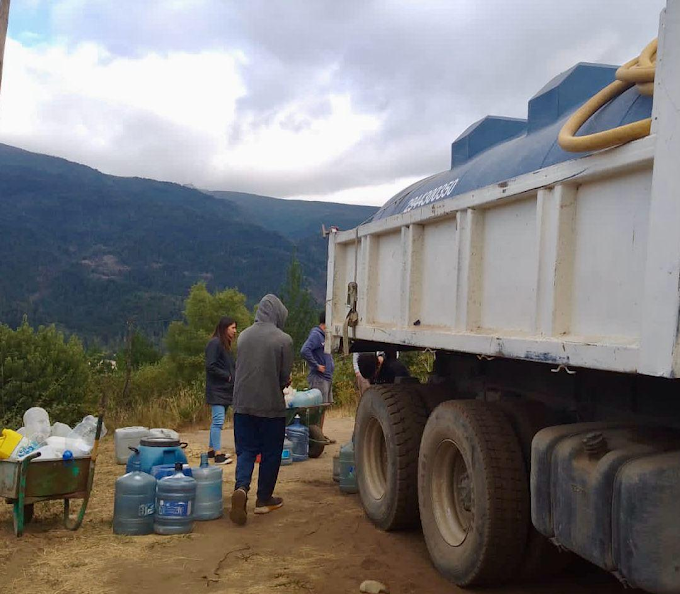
4, 19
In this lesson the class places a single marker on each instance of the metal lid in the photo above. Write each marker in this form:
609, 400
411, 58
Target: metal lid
159, 442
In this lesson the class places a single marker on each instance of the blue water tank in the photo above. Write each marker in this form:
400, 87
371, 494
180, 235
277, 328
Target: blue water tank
163, 470
157, 451
497, 149
306, 398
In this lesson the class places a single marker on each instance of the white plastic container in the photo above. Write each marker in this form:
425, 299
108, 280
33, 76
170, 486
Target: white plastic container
126, 438
60, 430
47, 452
160, 432
61, 444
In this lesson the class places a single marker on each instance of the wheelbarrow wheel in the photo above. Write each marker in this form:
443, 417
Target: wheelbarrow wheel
317, 441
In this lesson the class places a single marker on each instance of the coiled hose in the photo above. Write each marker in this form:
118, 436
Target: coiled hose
640, 71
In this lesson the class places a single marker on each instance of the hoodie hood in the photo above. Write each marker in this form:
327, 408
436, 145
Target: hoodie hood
272, 311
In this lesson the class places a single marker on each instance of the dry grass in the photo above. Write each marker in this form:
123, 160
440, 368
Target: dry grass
183, 407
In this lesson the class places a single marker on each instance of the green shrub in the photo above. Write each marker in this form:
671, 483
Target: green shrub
41, 368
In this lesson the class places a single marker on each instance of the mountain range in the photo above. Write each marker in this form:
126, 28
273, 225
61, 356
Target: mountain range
86, 250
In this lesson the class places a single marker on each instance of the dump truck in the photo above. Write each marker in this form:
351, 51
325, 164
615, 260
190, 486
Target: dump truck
546, 282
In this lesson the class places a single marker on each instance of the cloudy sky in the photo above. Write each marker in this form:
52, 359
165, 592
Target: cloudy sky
346, 100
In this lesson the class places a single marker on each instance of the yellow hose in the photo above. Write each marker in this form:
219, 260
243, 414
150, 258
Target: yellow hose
640, 71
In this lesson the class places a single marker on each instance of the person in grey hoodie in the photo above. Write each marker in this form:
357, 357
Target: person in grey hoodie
263, 370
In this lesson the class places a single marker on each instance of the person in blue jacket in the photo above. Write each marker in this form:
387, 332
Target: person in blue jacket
319, 362
219, 383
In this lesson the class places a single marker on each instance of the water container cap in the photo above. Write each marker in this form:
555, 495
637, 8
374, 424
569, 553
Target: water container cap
136, 464
67, 455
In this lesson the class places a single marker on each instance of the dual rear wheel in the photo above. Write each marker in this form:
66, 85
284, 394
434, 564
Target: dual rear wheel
461, 471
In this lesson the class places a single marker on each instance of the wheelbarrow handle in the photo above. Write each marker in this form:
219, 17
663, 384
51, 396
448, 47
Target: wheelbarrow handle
21, 493
71, 523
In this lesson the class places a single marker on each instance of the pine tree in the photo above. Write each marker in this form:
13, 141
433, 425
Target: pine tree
302, 309
202, 311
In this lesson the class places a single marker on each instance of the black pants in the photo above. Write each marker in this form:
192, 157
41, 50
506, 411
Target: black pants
253, 436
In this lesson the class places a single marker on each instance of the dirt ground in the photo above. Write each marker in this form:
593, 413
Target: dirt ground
319, 542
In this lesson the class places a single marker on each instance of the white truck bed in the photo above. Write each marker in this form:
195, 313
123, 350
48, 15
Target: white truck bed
576, 264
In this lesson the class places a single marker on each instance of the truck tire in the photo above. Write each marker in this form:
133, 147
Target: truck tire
387, 432
473, 493
542, 559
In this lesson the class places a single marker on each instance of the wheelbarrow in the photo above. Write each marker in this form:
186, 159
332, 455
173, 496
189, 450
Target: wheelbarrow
312, 417
31, 480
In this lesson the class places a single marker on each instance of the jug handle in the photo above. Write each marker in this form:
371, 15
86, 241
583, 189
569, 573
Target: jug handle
183, 444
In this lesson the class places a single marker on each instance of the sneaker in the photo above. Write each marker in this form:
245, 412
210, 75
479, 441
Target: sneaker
211, 453
239, 513
222, 459
264, 507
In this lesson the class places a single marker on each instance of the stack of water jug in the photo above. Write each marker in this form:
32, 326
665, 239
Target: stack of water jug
162, 500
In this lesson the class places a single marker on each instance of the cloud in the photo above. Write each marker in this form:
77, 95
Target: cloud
297, 99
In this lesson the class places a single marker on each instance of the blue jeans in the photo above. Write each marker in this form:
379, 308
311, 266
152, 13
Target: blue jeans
253, 436
216, 426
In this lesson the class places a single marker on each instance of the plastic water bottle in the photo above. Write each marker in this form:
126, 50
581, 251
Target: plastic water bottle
209, 503
60, 430
86, 431
175, 501
348, 477
299, 436
134, 503
37, 423
26, 446
287, 453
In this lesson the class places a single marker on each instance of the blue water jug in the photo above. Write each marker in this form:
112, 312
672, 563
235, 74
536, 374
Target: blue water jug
175, 501
348, 475
134, 502
209, 503
299, 437
306, 398
163, 470
155, 451
287, 453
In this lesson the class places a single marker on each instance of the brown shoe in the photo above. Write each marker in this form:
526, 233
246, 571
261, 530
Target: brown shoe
264, 507
239, 513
